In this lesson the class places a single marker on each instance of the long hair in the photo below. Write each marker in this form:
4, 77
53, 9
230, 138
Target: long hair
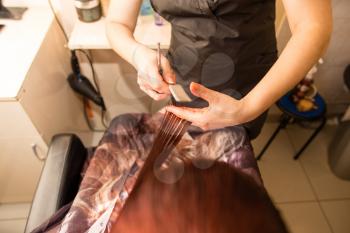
219, 199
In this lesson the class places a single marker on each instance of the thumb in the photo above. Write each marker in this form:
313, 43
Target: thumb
202, 92
189, 114
168, 73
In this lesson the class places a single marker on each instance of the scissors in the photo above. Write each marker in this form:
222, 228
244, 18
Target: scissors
177, 91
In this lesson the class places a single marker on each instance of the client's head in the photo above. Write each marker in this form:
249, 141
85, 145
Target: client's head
219, 199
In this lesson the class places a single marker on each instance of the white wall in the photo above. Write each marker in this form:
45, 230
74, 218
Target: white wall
329, 79
66, 12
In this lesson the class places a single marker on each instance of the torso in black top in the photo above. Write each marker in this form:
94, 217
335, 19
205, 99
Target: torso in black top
226, 45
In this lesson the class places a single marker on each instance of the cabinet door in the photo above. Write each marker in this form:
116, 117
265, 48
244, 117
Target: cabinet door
19, 167
48, 100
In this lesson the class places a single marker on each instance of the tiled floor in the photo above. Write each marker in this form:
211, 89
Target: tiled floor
13, 217
310, 198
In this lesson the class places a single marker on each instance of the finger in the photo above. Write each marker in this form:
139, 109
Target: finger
143, 82
157, 82
144, 79
193, 115
168, 72
189, 114
202, 92
154, 95
154, 81
147, 87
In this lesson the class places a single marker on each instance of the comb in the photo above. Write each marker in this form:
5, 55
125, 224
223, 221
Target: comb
179, 94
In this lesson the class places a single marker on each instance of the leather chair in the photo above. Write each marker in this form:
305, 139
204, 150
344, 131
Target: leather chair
60, 178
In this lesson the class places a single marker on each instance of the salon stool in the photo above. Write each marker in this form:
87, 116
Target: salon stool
291, 114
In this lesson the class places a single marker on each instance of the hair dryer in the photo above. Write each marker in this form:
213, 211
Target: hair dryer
80, 84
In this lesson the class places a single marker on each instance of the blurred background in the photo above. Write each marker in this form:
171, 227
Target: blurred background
37, 102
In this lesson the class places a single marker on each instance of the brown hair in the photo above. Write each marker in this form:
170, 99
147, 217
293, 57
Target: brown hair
219, 199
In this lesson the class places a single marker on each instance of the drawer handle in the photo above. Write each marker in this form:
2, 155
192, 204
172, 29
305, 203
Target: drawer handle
35, 151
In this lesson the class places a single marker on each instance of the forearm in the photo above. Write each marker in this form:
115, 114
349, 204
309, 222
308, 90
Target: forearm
301, 53
122, 40
120, 26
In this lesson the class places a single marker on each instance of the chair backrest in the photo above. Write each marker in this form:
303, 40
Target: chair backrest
60, 178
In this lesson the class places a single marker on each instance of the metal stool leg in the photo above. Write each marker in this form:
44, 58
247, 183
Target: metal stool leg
312, 137
283, 123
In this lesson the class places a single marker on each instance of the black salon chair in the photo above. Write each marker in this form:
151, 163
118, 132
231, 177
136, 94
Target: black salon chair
60, 178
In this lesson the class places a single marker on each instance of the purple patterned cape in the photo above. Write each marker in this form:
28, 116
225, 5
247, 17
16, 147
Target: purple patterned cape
126, 143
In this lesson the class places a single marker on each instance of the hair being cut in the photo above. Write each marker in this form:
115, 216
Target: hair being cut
220, 199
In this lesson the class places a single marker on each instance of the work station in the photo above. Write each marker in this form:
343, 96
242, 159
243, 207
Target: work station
176, 116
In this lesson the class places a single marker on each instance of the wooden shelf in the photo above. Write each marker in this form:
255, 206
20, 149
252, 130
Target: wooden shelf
93, 35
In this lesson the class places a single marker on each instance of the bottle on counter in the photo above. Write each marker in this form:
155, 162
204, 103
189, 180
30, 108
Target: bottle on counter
88, 10
146, 8
158, 20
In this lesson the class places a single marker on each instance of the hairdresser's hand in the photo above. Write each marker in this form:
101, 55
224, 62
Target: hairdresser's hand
149, 79
222, 111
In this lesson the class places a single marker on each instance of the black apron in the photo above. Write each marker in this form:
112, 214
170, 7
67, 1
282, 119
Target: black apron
226, 45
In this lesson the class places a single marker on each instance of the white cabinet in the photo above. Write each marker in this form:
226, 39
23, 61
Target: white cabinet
20, 143
36, 101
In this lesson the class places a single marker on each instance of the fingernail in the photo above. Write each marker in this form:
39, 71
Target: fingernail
170, 80
194, 86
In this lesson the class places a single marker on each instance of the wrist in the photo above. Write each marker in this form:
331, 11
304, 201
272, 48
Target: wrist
134, 55
247, 110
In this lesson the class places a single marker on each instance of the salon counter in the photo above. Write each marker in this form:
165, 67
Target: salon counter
93, 35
